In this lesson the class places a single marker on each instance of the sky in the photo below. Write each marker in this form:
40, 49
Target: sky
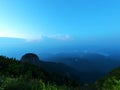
70, 21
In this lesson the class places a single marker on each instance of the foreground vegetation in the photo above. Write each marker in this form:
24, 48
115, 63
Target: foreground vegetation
8, 83
15, 75
110, 82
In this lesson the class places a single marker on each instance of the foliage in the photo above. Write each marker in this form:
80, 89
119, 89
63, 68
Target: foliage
16, 75
33, 84
110, 82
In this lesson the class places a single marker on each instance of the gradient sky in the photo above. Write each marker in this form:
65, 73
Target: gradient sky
71, 21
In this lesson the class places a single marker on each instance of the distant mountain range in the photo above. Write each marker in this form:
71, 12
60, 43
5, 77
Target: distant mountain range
21, 46
88, 66
91, 66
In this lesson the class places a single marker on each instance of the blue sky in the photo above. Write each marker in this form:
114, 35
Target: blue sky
63, 20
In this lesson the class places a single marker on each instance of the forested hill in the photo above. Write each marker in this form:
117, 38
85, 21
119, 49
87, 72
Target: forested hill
14, 73
52, 67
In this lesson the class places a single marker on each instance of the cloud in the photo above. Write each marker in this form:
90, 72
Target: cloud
60, 37
35, 39
32, 39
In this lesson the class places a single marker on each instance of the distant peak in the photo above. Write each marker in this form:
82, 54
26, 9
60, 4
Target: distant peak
30, 58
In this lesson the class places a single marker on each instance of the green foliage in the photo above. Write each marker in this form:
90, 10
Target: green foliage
110, 82
33, 84
15, 75
115, 72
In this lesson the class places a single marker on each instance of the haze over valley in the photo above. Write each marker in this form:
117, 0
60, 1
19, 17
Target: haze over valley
75, 44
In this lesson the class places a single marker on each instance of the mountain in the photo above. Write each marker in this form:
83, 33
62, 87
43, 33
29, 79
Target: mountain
52, 67
31, 58
91, 66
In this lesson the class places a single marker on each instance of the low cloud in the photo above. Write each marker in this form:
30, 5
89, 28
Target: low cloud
60, 37
33, 39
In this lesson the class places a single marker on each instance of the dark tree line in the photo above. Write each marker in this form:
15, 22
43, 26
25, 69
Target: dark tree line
10, 67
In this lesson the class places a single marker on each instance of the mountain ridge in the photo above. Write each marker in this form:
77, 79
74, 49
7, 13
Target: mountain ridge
51, 67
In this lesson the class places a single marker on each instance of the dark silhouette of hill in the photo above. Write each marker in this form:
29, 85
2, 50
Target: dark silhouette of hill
52, 67
91, 66
31, 58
